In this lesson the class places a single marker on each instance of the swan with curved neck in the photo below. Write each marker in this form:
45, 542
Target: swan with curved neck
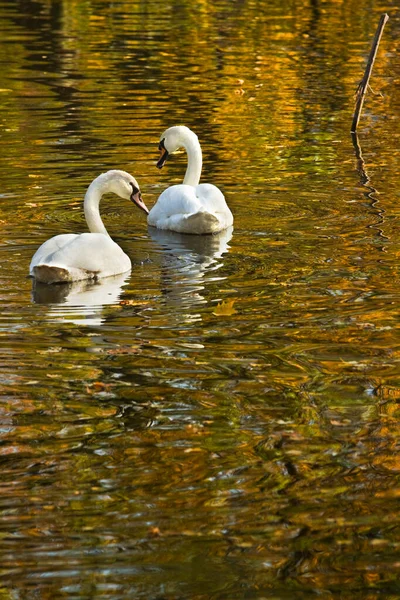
189, 207
73, 257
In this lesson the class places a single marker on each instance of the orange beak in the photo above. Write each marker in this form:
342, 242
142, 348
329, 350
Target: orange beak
136, 198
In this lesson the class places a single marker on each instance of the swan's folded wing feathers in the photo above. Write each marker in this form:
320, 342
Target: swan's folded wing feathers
51, 246
187, 209
210, 197
175, 200
88, 252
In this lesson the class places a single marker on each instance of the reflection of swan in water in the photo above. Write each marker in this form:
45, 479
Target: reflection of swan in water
80, 302
186, 259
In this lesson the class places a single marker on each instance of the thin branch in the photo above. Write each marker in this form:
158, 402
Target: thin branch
364, 84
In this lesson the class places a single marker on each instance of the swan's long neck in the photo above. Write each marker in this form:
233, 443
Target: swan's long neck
195, 161
91, 207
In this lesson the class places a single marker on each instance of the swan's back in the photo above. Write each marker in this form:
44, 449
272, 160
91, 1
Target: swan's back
72, 257
211, 198
197, 209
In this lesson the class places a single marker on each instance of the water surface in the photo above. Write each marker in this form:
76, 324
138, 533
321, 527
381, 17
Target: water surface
222, 422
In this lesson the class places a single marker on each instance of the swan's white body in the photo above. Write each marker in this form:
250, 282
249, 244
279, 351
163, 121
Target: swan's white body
189, 207
73, 257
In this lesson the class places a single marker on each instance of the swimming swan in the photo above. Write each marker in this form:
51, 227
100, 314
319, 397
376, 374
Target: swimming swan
189, 207
74, 256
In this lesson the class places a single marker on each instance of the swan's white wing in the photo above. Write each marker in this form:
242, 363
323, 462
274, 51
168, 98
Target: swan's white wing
213, 200
187, 209
82, 255
50, 247
210, 197
177, 199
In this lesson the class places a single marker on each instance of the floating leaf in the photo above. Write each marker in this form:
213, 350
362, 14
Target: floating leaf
225, 309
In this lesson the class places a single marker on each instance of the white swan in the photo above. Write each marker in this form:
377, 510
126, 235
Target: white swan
72, 256
189, 207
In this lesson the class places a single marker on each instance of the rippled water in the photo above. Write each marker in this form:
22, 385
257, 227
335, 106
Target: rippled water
222, 422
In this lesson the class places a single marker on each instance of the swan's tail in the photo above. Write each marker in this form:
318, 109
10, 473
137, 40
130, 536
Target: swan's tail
201, 223
51, 274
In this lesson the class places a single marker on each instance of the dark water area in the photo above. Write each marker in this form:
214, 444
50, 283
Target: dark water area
221, 422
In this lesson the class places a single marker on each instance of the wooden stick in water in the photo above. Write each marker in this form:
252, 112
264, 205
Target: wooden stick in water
363, 86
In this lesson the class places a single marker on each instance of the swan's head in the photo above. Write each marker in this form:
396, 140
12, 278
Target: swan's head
171, 140
124, 185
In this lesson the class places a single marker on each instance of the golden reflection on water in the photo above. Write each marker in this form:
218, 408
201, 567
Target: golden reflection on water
222, 422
